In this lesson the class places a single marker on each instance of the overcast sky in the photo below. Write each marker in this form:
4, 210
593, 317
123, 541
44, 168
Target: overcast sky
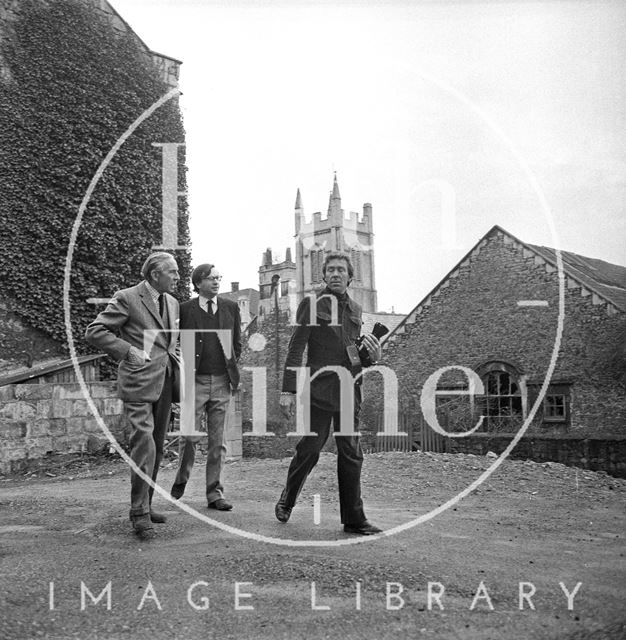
398, 97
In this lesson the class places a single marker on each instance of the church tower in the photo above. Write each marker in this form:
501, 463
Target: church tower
351, 234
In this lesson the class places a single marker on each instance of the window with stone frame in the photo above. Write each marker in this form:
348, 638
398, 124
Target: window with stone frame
317, 263
355, 258
502, 405
556, 403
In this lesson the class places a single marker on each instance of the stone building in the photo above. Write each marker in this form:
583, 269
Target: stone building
336, 232
277, 282
352, 234
247, 300
497, 314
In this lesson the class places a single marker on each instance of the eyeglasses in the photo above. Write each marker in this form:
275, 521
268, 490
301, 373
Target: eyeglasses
213, 278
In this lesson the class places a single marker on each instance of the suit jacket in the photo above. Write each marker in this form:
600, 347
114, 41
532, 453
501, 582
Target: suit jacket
122, 324
326, 345
229, 318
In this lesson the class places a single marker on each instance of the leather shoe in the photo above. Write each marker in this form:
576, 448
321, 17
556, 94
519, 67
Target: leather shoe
220, 504
177, 490
142, 527
365, 528
282, 511
158, 518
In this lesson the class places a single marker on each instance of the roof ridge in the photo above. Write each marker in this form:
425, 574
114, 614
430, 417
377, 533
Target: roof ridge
535, 249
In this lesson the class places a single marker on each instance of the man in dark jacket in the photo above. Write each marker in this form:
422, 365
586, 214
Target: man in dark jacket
217, 378
328, 345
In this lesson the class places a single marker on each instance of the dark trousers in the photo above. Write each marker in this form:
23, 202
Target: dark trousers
148, 423
349, 462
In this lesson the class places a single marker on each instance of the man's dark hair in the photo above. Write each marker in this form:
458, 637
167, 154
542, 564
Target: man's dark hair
199, 273
338, 255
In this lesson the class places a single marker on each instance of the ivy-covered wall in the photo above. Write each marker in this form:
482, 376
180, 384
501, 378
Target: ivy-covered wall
70, 86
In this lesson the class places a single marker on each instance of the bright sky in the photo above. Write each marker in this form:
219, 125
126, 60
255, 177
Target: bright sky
278, 95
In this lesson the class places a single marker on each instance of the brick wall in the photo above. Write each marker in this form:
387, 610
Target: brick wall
37, 419
474, 318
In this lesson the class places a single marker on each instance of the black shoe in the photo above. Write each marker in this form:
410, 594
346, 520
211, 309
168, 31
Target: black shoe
365, 528
282, 511
177, 490
220, 504
143, 528
158, 518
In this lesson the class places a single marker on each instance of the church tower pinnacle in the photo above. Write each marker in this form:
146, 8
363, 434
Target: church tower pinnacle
352, 234
299, 212
334, 204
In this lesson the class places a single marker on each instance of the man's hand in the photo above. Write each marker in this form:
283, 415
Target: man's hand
372, 344
287, 404
137, 356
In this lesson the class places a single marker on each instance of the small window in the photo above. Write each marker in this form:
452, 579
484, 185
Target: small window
555, 408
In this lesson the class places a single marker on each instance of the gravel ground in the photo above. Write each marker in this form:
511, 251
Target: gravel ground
541, 524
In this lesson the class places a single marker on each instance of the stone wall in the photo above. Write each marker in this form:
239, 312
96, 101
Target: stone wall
38, 419
599, 454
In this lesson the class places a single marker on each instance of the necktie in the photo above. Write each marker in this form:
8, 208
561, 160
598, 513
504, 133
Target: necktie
209, 307
161, 306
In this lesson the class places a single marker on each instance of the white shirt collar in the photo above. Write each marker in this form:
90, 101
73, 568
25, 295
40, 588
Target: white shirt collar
203, 303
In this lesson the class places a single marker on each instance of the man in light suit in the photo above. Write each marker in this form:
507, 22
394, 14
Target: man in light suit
139, 329
217, 378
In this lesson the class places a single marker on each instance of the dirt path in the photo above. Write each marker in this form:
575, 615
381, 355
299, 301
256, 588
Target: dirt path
529, 523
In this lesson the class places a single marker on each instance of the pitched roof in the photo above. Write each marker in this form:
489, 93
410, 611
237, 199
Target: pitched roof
53, 366
606, 280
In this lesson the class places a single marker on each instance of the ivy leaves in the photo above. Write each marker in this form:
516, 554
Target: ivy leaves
72, 84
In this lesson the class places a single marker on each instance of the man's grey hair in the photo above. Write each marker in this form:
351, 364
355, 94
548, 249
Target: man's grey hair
154, 262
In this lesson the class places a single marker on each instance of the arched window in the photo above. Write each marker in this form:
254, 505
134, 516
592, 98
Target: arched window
503, 405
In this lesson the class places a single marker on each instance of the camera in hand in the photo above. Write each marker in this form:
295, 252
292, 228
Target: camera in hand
379, 330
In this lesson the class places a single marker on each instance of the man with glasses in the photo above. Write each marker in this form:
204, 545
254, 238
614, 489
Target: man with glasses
138, 328
217, 378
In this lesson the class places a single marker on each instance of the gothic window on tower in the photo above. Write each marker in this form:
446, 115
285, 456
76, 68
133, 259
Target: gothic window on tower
317, 261
356, 263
